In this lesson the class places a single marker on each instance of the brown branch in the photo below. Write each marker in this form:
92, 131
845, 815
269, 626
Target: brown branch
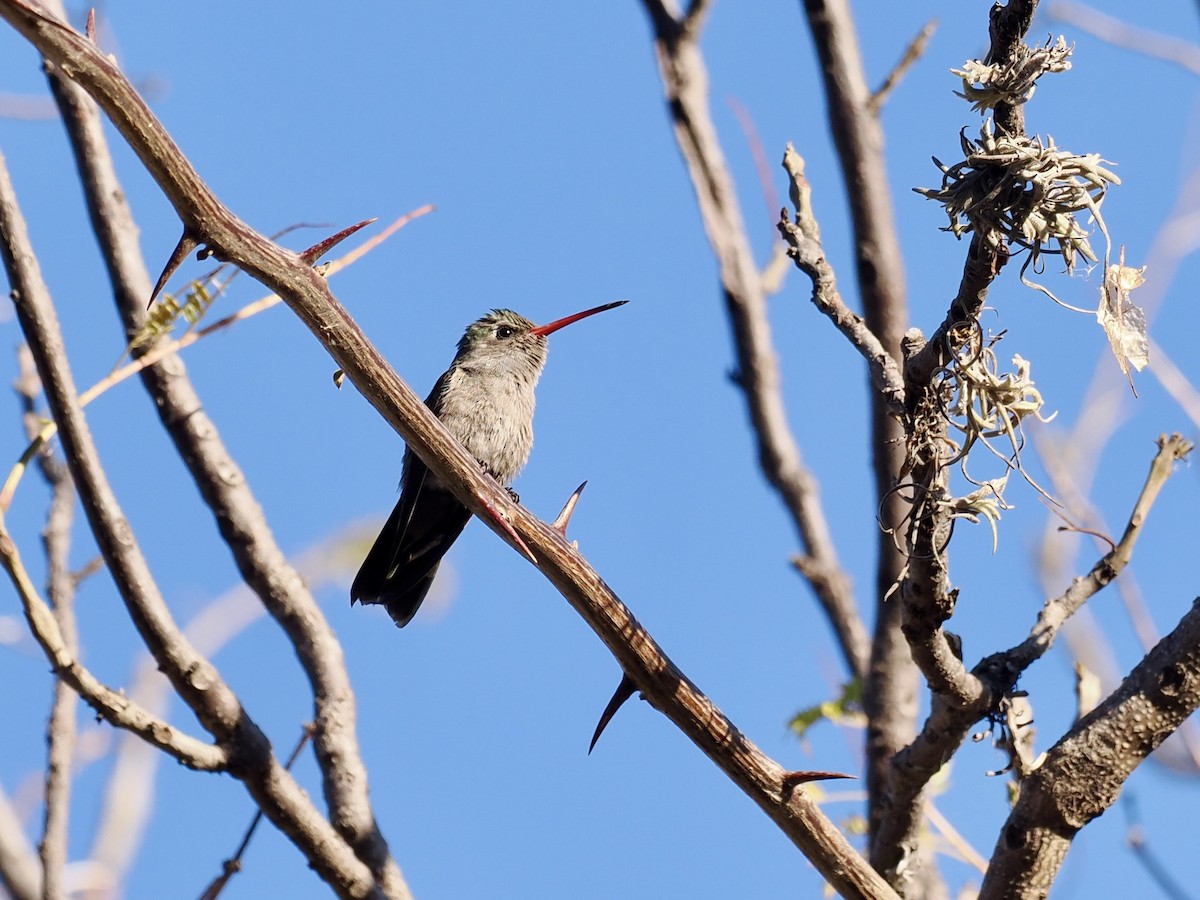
890, 689
225, 490
194, 677
685, 80
166, 348
1083, 773
949, 722
309, 296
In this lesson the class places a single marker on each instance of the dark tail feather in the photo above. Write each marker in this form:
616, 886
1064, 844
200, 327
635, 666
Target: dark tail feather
402, 563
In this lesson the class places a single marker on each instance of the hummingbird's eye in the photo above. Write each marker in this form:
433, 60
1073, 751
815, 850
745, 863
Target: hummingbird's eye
505, 331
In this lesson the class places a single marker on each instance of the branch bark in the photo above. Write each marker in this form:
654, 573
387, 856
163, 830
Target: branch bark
60, 588
309, 296
685, 80
196, 680
237, 512
890, 691
1083, 773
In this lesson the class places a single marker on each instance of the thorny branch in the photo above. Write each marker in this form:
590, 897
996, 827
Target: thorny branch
308, 295
235, 509
197, 681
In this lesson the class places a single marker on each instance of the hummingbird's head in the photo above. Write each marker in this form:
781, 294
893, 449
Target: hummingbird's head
503, 341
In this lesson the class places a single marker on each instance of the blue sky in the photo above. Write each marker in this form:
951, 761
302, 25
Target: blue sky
538, 130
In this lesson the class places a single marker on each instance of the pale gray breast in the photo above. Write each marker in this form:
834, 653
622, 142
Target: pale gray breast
491, 414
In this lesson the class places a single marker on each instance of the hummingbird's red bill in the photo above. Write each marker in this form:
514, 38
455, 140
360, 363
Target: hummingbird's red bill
552, 327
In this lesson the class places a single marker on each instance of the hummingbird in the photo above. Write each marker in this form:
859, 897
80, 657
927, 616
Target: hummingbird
485, 399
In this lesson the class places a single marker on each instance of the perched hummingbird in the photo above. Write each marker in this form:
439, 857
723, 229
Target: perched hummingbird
485, 399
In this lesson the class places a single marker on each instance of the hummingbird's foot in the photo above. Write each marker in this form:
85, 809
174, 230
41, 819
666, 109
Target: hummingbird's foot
516, 498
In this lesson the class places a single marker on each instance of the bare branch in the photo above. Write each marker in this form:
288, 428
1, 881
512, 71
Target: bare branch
112, 705
913, 52
1084, 772
927, 599
803, 237
60, 588
685, 79
950, 721
309, 296
194, 677
129, 793
235, 509
233, 864
1057, 610
890, 689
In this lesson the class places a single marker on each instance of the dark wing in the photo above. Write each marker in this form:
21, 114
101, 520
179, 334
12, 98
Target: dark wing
401, 565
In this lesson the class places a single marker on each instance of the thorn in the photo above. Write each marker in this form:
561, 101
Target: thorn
91, 26
564, 517
319, 249
187, 243
792, 780
508, 529
624, 691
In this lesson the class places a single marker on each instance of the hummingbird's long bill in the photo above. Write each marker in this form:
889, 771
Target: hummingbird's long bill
544, 330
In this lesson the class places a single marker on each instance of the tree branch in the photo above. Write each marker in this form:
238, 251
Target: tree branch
1055, 612
60, 588
309, 296
1083, 773
927, 598
803, 237
950, 722
237, 512
685, 80
890, 690
194, 678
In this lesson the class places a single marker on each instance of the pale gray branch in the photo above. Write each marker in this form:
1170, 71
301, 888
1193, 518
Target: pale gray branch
685, 79
194, 677
60, 588
235, 509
